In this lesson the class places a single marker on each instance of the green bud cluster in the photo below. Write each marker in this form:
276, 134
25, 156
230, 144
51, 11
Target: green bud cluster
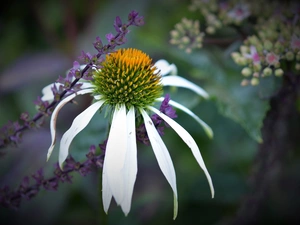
275, 42
274, 33
187, 35
218, 14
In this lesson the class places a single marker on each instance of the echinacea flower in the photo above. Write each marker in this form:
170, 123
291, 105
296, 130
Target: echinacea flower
129, 84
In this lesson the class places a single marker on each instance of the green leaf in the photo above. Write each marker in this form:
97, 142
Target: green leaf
215, 71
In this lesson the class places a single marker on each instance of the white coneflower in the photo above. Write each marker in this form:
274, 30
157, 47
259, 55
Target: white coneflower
129, 84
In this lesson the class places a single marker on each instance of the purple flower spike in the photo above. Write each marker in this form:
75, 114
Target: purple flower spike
165, 108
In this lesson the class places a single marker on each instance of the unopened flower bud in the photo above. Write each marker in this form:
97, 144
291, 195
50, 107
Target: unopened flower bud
254, 81
289, 56
245, 82
262, 34
268, 45
241, 61
218, 24
185, 40
246, 72
277, 65
256, 74
210, 30
199, 39
297, 66
175, 34
253, 40
259, 47
298, 56
267, 71
278, 72
244, 49
278, 46
188, 50
257, 67
235, 55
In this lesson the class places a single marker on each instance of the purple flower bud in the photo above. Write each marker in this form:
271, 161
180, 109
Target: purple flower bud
92, 149
118, 24
139, 21
124, 29
25, 116
98, 44
76, 65
103, 146
160, 130
84, 170
30, 193
85, 57
110, 37
25, 183
141, 133
132, 15
121, 40
51, 185
39, 176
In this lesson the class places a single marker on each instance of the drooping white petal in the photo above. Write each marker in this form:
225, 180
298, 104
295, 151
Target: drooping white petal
55, 115
106, 192
130, 165
187, 138
79, 123
206, 128
178, 81
162, 155
165, 68
47, 92
115, 153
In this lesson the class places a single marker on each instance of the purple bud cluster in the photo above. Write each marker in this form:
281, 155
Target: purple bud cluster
158, 122
118, 39
12, 198
11, 132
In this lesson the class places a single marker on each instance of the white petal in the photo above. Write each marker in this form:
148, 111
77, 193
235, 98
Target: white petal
97, 97
79, 123
182, 82
47, 92
115, 153
106, 192
162, 155
165, 68
206, 128
54, 118
86, 85
130, 165
187, 138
